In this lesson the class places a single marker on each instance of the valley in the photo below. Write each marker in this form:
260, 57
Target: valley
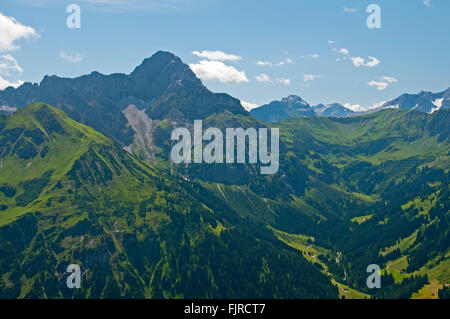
93, 184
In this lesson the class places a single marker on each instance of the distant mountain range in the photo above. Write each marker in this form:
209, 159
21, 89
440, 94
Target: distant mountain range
165, 88
294, 106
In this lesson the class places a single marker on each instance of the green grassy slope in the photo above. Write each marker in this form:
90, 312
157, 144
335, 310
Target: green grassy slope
70, 195
395, 164
360, 186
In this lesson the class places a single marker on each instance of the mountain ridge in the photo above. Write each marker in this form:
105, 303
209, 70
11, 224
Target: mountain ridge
162, 85
277, 111
294, 106
424, 101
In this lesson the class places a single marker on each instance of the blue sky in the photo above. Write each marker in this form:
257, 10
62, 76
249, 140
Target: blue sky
321, 50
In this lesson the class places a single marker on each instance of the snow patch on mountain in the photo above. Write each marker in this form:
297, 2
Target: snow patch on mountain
438, 104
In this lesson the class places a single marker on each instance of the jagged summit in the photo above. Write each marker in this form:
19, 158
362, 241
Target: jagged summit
294, 99
161, 73
424, 101
289, 107
294, 106
162, 85
332, 110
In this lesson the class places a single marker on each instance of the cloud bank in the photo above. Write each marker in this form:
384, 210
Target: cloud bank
11, 31
70, 57
218, 71
216, 55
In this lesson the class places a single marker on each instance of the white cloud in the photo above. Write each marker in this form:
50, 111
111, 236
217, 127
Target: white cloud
389, 79
427, 3
360, 108
354, 107
313, 56
263, 78
284, 81
281, 63
356, 60
9, 66
70, 57
217, 55
264, 63
249, 106
216, 70
379, 85
350, 10
373, 62
311, 77
359, 61
384, 83
285, 61
343, 51
11, 31
331, 42
5, 83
